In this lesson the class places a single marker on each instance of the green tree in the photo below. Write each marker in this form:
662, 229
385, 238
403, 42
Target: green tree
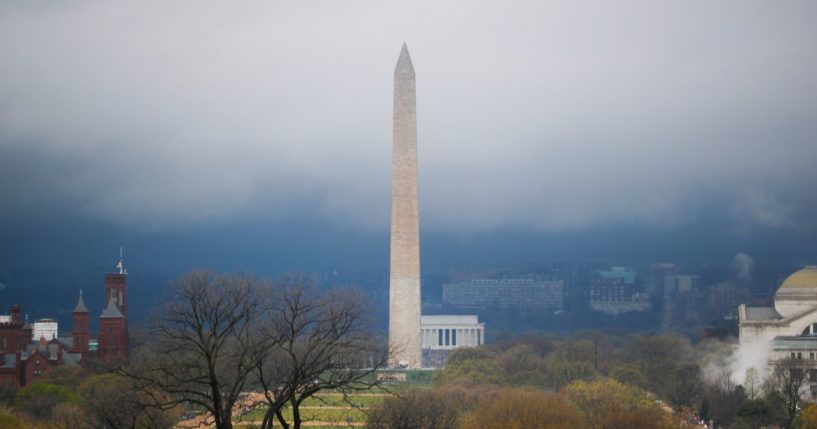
751, 383
703, 412
756, 413
522, 409
810, 417
789, 380
39, 399
725, 398
658, 356
629, 373
572, 360
111, 401
8, 391
609, 404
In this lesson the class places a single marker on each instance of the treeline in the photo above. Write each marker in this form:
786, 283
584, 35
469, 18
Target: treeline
75, 397
603, 403
688, 379
224, 346
219, 346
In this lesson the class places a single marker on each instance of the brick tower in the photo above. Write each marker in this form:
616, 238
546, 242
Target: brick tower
113, 338
113, 322
80, 331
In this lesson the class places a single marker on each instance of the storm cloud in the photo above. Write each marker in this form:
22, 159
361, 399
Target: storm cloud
549, 116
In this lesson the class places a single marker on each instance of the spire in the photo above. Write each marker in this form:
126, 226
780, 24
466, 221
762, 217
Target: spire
121, 264
404, 62
112, 310
80, 308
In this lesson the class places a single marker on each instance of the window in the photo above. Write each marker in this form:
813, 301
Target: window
453, 337
440, 337
799, 355
810, 330
447, 336
812, 375
811, 355
793, 355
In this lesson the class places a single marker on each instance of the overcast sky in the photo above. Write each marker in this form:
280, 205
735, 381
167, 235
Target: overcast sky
548, 117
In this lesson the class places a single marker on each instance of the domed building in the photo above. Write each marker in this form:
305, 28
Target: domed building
790, 326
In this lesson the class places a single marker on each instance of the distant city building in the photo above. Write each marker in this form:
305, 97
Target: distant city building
614, 291
655, 280
44, 328
723, 298
519, 293
444, 333
679, 283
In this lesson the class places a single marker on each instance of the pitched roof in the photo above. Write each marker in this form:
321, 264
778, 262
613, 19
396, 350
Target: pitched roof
80, 308
112, 310
762, 313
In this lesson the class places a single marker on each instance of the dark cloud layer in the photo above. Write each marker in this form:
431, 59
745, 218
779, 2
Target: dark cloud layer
551, 117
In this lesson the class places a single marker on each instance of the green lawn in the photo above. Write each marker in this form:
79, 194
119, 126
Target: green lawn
314, 414
323, 407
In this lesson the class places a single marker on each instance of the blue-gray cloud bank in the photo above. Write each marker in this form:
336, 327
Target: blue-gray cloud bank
542, 120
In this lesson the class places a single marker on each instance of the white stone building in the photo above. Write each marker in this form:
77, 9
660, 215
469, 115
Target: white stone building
442, 334
789, 328
44, 328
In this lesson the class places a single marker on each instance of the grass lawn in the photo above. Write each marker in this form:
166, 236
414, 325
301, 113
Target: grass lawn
326, 407
332, 406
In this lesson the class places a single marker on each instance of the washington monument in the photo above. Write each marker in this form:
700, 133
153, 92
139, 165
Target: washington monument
404, 281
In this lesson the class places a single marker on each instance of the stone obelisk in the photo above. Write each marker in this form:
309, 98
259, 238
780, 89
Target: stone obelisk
404, 281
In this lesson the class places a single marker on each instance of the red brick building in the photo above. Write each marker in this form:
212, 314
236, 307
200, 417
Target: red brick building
23, 358
113, 329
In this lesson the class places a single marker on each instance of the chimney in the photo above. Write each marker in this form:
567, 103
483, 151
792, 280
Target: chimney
15, 313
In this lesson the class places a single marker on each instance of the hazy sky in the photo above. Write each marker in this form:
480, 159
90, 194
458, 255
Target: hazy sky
548, 117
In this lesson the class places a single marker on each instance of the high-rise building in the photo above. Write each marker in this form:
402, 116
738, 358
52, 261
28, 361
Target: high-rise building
404, 281
516, 293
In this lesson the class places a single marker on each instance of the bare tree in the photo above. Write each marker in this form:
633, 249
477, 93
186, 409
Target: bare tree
724, 399
789, 379
685, 385
415, 409
205, 345
322, 341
